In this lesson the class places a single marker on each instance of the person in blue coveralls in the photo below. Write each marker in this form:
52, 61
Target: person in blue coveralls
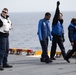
72, 38
43, 34
57, 33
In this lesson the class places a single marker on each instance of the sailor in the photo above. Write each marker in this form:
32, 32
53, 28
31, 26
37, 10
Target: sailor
43, 34
5, 27
57, 33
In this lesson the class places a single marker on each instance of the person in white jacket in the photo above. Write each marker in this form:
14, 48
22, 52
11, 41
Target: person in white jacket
5, 27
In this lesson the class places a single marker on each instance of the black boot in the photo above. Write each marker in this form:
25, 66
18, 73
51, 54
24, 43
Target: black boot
47, 60
53, 58
67, 60
7, 66
42, 59
1, 68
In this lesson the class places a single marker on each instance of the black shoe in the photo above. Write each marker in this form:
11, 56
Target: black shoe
52, 58
1, 68
47, 60
7, 66
42, 59
67, 60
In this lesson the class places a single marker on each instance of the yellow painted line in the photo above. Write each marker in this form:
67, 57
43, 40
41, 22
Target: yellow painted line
39, 52
34, 56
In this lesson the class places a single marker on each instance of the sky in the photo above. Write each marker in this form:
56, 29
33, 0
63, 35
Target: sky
37, 5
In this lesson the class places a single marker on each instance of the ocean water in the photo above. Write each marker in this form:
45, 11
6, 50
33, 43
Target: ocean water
25, 26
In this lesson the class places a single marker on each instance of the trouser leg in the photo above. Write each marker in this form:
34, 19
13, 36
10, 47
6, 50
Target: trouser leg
6, 52
70, 53
2, 49
53, 47
44, 45
60, 43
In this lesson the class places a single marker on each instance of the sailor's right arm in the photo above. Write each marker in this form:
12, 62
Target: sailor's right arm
40, 30
56, 16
